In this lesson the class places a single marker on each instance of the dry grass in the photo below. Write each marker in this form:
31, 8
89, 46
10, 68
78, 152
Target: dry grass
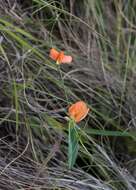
35, 94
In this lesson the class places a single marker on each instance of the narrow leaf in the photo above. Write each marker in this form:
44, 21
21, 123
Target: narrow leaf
73, 145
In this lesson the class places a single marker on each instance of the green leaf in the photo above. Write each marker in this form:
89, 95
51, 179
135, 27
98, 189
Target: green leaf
110, 133
54, 123
73, 145
16, 100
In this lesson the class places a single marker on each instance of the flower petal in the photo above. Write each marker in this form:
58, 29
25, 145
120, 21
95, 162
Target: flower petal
54, 54
67, 59
78, 111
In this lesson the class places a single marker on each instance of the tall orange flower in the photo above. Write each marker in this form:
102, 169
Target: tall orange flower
59, 57
78, 111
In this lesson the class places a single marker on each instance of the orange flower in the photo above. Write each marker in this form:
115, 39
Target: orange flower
59, 57
78, 111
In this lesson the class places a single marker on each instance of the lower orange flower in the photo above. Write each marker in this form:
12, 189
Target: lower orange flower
78, 111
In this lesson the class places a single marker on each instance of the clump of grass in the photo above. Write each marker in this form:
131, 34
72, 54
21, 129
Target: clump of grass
35, 94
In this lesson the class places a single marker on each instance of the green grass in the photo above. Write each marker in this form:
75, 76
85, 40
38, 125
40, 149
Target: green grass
36, 140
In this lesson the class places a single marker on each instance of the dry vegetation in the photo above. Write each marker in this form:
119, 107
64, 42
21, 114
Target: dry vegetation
35, 94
